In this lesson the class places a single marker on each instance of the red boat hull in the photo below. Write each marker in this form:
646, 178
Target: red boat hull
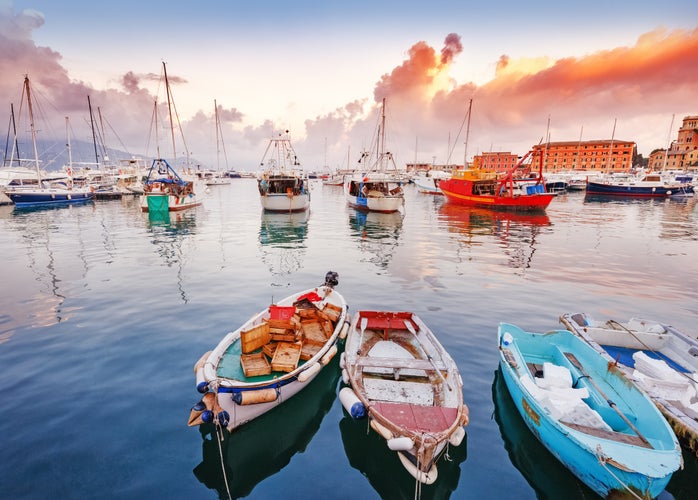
460, 191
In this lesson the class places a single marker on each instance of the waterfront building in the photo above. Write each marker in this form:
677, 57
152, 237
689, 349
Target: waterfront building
599, 155
683, 152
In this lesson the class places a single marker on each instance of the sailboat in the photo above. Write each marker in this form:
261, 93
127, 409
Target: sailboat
165, 190
217, 178
44, 193
375, 190
282, 185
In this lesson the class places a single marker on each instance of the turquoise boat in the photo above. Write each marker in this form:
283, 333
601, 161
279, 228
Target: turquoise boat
603, 428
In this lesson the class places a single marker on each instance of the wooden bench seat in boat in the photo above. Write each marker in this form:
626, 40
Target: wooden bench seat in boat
401, 363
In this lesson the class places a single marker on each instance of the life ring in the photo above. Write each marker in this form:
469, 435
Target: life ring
289, 192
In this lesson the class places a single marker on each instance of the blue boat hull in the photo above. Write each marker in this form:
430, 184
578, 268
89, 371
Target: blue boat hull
638, 191
608, 466
42, 199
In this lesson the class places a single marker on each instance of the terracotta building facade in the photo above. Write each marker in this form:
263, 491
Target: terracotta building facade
683, 152
600, 156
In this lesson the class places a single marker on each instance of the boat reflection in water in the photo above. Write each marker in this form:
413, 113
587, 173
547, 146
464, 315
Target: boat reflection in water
282, 238
546, 475
514, 232
377, 233
169, 233
368, 453
261, 448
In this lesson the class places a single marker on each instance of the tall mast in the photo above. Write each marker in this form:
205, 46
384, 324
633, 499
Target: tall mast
67, 145
218, 148
579, 147
382, 135
33, 130
610, 153
668, 142
169, 109
92, 124
467, 135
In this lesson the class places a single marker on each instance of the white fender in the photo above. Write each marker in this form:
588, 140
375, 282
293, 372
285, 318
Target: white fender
402, 443
344, 330
343, 360
200, 375
457, 437
328, 355
309, 373
345, 376
202, 360
351, 403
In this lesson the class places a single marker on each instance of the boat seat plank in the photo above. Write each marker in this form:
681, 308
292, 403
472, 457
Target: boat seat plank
417, 418
406, 363
610, 435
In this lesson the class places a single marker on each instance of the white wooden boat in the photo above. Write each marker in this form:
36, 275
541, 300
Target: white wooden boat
602, 427
271, 357
283, 187
657, 357
409, 387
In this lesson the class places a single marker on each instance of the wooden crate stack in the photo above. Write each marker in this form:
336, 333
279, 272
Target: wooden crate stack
290, 334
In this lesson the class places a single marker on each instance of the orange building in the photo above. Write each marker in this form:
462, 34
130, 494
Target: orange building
498, 161
683, 152
601, 155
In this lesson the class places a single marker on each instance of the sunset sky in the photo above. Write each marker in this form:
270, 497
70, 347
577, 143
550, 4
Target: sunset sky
320, 69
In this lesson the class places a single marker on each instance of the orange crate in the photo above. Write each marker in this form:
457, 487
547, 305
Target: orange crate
269, 349
286, 357
309, 350
332, 311
255, 337
255, 364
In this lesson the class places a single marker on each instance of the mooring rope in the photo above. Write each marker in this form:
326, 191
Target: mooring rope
219, 438
602, 461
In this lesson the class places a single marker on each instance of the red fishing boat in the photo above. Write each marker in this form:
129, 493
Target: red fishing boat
483, 187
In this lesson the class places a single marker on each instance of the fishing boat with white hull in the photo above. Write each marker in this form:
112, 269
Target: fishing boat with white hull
164, 189
271, 357
601, 426
283, 187
375, 188
409, 387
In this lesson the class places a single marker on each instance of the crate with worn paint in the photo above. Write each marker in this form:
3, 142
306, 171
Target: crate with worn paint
255, 337
286, 356
255, 364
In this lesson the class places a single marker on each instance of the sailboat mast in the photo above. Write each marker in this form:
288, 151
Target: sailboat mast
610, 153
382, 134
31, 125
467, 135
67, 145
92, 124
668, 143
169, 109
218, 148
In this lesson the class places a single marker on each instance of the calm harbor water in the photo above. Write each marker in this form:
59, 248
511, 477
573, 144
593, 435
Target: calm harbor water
105, 310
